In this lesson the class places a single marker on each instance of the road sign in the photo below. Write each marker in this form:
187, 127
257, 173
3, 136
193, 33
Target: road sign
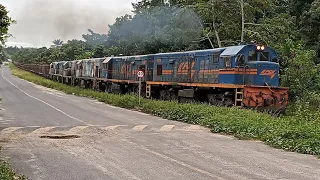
140, 74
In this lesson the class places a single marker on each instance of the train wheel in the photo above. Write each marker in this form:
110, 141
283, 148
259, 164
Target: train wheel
133, 91
278, 112
167, 95
108, 88
228, 102
215, 100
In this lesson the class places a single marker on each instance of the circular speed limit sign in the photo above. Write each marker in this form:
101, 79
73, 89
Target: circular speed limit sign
140, 74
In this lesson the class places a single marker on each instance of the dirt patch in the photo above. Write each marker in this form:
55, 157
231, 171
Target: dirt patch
60, 136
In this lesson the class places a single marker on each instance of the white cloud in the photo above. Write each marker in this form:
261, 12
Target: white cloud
39, 22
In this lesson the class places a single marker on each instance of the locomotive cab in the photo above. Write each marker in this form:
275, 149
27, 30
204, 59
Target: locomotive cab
249, 65
265, 61
256, 68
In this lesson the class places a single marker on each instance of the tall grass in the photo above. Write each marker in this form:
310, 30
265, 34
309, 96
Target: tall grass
288, 133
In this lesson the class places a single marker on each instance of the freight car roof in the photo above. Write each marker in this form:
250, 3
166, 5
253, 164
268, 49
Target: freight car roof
107, 60
133, 56
90, 59
227, 51
183, 52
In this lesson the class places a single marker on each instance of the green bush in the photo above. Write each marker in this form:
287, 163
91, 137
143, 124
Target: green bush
306, 108
292, 133
300, 71
6, 173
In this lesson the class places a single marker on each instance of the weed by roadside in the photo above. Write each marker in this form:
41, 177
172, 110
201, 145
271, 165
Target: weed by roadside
6, 173
289, 133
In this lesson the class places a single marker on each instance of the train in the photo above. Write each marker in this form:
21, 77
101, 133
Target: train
244, 76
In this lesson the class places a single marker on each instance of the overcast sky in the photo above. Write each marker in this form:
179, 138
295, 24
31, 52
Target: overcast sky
39, 22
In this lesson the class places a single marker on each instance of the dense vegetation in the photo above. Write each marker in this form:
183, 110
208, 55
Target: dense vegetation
289, 133
290, 26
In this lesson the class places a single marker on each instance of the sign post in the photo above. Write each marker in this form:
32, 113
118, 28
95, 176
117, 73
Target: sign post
140, 75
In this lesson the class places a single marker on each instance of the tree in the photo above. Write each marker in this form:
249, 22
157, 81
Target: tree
5, 22
145, 4
98, 52
11, 50
158, 29
275, 31
310, 23
57, 42
301, 74
3, 56
223, 21
95, 38
298, 7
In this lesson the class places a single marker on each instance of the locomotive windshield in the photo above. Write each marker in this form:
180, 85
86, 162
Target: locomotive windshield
253, 56
264, 56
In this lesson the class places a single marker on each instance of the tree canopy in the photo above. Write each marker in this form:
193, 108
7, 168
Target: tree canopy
57, 42
289, 26
5, 22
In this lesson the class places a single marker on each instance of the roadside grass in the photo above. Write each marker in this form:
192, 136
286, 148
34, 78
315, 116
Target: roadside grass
288, 133
6, 173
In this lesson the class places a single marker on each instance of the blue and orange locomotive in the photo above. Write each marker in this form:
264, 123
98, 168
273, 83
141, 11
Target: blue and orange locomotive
243, 75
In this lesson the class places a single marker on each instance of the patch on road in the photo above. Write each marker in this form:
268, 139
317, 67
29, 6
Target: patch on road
37, 130
58, 136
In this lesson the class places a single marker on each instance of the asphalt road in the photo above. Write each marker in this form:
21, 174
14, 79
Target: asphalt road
115, 143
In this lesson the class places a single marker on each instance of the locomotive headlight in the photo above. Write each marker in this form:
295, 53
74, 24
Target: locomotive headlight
262, 48
258, 47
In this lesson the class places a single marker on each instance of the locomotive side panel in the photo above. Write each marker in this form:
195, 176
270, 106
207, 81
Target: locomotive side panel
106, 68
233, 67
206, 67
187, 67
141, 63
116, 68
97, 67
73, 66
67, 69
87, 67
164, 68
79, 67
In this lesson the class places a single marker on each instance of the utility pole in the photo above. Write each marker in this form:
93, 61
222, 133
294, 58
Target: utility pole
242, 14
